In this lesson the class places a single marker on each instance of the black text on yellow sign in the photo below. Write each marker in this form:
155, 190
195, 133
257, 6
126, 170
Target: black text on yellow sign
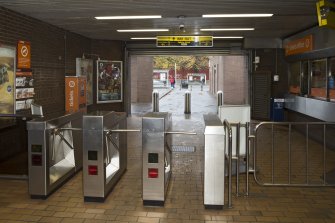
184, 41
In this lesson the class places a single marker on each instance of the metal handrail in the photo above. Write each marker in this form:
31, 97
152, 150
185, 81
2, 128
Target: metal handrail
237, 157
290, 124
228, 129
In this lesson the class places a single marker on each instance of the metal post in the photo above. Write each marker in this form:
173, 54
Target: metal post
187, 103
238, 128
230, 166
219, 97
155, 101
247, 150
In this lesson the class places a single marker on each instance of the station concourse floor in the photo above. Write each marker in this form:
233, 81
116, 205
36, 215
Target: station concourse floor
184, 201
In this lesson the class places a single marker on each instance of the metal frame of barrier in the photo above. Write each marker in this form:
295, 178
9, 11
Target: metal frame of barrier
218, 139
54, 152
289, 148
157, 168
156, 156
229, 144
104, 153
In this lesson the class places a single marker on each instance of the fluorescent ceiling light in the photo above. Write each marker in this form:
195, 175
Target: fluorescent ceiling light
141, 30
228, 29
130, 17
228, 37
235, 15
143, 38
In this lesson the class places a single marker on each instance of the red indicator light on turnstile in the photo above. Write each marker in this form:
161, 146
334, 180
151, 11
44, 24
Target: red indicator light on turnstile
92, 170
36, 160
153, 173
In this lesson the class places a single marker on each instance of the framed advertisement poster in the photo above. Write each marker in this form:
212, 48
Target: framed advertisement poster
109, 81
84, 67
7, 79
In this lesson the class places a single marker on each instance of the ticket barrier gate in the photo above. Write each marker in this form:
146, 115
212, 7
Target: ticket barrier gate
218, 142
105, 153
156, 156
54, 152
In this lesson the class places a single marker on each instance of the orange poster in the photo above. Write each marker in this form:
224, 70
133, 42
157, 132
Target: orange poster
75, 94
23, 55
301, 45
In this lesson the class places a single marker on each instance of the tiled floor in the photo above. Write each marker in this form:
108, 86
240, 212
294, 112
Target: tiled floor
184, 198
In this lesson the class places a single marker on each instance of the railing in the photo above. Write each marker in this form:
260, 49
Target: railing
229, 135
293, 157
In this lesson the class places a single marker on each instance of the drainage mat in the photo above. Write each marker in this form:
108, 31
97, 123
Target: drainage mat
186, 149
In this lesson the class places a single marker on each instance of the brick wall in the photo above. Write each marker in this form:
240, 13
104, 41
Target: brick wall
235, 80
231, 77
141, 79
53, 53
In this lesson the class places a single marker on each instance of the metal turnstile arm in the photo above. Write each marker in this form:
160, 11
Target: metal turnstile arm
182, 133
122, 130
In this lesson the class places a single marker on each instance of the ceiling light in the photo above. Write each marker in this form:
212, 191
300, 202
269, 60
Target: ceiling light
141, 30
235, 15
130, 17
228, 37
227, 29
143, 38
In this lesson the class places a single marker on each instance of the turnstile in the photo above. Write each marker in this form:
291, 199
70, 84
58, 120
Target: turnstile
54, 152
105, 153
156, 142
214, 162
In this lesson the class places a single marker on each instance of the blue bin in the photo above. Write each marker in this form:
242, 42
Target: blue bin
277, 109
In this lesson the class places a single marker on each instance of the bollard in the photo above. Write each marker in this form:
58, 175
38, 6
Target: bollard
155, 101
187, 102
219, 97
202, 86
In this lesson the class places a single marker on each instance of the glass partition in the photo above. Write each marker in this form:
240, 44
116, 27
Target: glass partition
304, 78
295, 78
331, 78
318, 79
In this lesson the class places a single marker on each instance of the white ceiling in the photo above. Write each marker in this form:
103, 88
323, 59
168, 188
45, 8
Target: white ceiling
290, 16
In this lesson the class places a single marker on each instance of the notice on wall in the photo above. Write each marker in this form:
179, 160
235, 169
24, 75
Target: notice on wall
7, 79
109, 81
84, 68
23, 55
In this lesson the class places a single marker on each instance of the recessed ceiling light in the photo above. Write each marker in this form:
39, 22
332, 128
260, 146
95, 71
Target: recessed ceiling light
141, 30
130, 17
228, 37
235, 15
143, 38
227, 29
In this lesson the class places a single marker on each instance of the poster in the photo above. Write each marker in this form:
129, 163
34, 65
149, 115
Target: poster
109, 81
23, 55
7, 79
84, 67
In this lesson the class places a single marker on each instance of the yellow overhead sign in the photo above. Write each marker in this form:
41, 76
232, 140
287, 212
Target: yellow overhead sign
184, 41
326, 13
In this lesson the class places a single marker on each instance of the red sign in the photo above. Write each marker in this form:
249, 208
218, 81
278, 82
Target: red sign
23, 55
301, 45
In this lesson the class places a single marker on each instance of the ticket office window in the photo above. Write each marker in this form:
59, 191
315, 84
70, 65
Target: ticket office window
319, 79
331, 79
294, 82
